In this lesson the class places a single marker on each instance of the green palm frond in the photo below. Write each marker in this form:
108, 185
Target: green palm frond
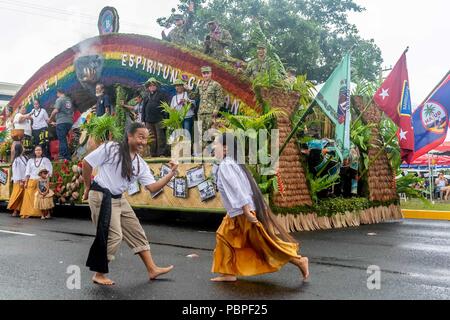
175, 118
318, 184
103, 128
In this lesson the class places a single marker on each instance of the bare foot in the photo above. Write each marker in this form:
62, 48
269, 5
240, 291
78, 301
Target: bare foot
303, 265
15, 214
225, 278
159, 272
100, 279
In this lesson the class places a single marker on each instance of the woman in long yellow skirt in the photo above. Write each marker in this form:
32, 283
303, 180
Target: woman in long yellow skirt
18, 168
31, 183
250, 241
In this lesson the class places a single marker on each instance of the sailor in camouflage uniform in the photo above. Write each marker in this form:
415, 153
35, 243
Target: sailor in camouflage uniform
217, 41
260, 65
179, 34
211, 100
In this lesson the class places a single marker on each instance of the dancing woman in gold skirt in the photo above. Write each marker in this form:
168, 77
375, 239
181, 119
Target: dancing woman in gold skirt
34, 165
250, 241
18, 168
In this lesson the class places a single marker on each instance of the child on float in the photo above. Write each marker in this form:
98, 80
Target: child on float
18, 168
34, 165
44, 196
250, 241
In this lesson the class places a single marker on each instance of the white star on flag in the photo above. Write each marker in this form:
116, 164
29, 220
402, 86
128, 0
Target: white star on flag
403, 135
384, 93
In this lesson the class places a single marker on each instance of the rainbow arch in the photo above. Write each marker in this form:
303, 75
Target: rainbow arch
129, 60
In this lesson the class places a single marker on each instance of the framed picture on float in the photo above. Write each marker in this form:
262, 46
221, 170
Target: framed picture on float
164, 171
207, 190
195, 176
134, 188
155, 194
180, 189
3, 177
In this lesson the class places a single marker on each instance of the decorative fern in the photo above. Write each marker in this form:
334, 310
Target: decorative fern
103, 128
318, 184
175, 118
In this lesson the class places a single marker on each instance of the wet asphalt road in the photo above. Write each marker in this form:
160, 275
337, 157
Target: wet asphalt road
414, 258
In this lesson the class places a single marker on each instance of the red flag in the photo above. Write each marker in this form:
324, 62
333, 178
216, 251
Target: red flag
393, 97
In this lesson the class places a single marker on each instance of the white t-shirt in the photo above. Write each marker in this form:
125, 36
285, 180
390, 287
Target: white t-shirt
25, 125
35, 165
19, 169
234, 188
39, 119
176, 103
109, 170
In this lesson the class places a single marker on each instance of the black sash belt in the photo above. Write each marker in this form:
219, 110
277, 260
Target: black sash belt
98, 255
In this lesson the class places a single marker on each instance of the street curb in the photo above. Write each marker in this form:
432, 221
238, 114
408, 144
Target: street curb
426, 215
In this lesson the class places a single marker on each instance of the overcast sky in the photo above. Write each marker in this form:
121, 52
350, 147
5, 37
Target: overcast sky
32, 33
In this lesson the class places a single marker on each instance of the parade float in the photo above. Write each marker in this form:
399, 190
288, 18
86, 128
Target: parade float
123, 63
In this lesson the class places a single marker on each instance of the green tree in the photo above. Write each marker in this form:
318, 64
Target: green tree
311, 35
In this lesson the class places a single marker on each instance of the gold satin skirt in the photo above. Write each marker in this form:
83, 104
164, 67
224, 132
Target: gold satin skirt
15, 201
28, 209
246, 249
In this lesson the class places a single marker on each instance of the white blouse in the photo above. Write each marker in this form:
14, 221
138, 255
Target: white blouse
39, 119
19, 168
234, 188
25, 125
35, 165
177, 105
109, 173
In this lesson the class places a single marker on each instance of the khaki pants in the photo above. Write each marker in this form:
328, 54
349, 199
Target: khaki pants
124, 225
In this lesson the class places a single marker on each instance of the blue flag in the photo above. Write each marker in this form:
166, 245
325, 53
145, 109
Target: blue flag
431, 119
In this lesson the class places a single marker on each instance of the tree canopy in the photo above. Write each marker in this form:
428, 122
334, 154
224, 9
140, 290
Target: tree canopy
310, 35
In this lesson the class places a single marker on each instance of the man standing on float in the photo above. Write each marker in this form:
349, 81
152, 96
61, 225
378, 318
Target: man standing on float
211, 100
118, 166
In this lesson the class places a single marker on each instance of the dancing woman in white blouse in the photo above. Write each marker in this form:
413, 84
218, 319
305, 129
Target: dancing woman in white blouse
34, 165
18, 168
249, 241
118, 166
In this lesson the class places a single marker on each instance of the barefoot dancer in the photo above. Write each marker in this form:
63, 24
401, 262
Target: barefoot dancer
118, 165
19, 167
249, 241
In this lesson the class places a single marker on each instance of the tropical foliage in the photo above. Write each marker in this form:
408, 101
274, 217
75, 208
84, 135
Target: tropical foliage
406, 185
318, 184
103, 129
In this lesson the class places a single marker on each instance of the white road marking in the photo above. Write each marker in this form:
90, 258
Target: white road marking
18, 233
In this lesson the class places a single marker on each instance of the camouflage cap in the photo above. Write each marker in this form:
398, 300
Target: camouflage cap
206, 69
179, 82
261, 45
212, 22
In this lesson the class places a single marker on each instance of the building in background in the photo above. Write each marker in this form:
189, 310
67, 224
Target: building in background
7, 91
